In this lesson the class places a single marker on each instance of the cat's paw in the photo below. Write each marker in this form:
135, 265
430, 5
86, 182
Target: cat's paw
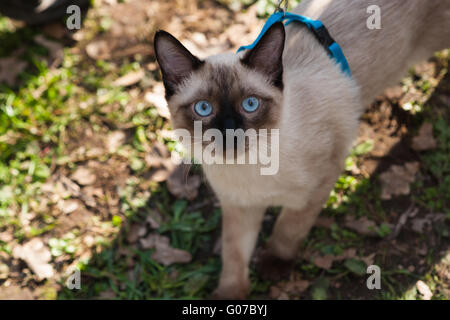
271, 267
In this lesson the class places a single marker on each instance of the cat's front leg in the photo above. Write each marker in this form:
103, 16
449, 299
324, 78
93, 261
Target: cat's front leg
277, 258
240, 228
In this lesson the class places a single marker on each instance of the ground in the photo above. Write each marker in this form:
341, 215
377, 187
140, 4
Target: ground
85, 181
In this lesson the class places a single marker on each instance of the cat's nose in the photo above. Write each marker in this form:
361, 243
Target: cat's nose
229, 123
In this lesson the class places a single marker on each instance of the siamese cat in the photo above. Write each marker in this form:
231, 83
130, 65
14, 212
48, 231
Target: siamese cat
291, 84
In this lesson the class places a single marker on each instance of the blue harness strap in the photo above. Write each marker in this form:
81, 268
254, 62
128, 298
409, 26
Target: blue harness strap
316, 27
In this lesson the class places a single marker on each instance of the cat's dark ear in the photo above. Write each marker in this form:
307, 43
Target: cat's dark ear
266, 56
175, 60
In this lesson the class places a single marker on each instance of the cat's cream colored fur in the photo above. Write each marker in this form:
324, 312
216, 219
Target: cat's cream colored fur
318, 122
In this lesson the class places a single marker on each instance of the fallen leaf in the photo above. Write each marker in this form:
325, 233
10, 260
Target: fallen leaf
36, 255
324, 222
91, 192
362, 225
156, 98
83, 176
129, 79
396, 180
114, 140
154, 219
424, 140
274, 292
56, 53
181, 185
107, 294
135, 232
369, 259
394, 93
419, 224
10, 68
68, 206
297, 286
409, 213
424, 290
283, 296
98, 50
164, 253
326, 261
160, 163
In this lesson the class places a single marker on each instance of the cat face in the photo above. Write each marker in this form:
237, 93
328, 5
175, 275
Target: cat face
228, 91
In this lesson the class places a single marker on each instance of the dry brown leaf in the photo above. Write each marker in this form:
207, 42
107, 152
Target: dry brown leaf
326, 261
369, 259
114, 140
98, 50
424, 140
129, 79
135, 232
324, 222
160, 163
91, 192
36, 255
274, 292
56, 53
68, 206
154, 219
362, 225
283, 296
83, 176
409, 213
297, 286
152, 239
396, 180
181, 185
107, 294
10, 68
164, 253
424, 290
156, 98
419, 224
394, 93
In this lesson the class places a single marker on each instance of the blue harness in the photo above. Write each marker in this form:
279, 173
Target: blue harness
316, 27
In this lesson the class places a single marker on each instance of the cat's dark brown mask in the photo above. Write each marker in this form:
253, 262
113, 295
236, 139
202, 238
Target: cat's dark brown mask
228, 91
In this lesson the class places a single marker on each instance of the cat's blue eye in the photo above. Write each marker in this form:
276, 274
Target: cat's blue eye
203, 108
250, 104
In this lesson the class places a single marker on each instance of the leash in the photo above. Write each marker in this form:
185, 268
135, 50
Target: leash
315, 26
